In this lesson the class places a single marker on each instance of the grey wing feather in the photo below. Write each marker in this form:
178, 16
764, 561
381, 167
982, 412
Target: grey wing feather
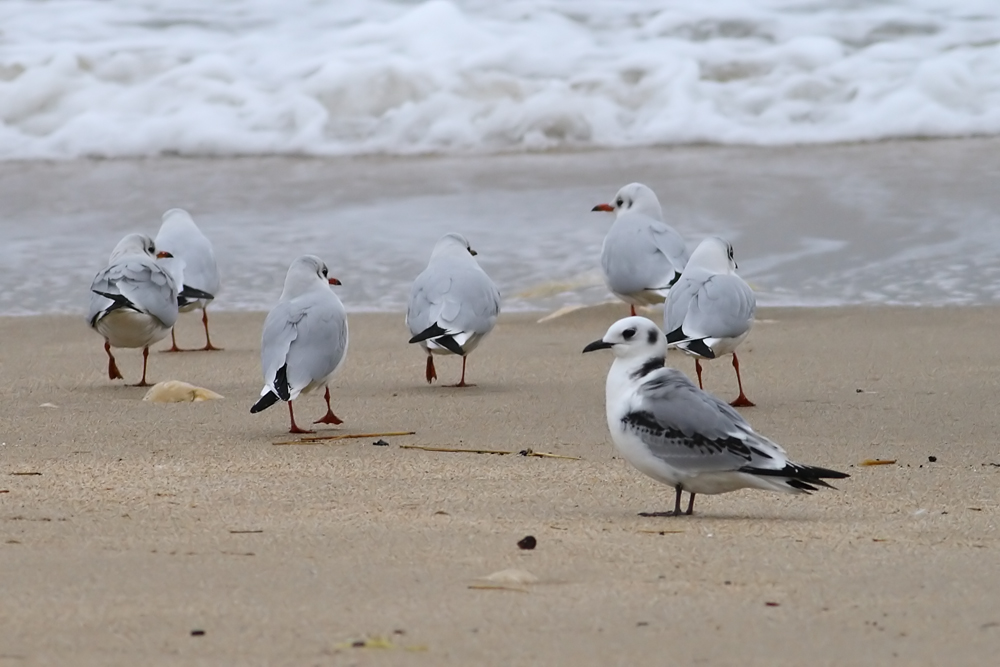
682, 294
694, 431
309, 334
201, 269
142, 282
723, 308
670, 244
456, 295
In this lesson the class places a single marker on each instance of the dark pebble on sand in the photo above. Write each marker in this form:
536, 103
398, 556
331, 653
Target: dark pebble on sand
528, 542
197, 633
380, 443
932, 459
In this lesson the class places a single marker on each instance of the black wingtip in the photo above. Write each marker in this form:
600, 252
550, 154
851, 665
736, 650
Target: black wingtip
803, 478
441, 337
265, 401
698, 347
118, 301
433, 331
189, 294
281, 383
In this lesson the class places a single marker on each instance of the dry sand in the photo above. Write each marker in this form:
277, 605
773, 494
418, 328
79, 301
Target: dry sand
128, 538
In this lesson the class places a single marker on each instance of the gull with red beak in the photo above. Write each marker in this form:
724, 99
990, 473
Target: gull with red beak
453, 304
133, 300
180, 237
642, 256
304, 340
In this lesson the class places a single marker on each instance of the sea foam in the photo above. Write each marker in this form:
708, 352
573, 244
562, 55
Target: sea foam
341, 77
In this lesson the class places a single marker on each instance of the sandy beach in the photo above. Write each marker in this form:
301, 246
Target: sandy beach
141, 523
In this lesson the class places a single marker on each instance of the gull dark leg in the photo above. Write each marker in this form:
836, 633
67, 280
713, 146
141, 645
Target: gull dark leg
461, 383
431, 373
145, 358
295, 428
113, 371
329, 417
741, 401
690, 509
677, 505
697, 367
208, 340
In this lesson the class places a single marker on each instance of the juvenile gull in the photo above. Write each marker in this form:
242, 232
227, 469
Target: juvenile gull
180, 237
133, 301
304, 340
642, 256
685, 437
710, 309
453, 303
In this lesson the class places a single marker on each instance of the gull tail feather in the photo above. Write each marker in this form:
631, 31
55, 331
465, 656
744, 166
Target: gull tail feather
799, 477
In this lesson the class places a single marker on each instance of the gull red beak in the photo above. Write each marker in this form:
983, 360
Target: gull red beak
334, 281
162, 254
603, 207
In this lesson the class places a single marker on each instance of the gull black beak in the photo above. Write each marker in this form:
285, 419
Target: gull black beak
473, 252
598, 345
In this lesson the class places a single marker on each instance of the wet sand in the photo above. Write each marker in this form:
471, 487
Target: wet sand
149, 521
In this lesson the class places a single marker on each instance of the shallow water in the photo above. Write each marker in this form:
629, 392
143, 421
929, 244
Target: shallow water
885, 223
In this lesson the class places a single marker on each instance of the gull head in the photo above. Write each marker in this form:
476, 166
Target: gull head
451, 242
177, 217
134, 244
631, 337
634, 197
714, 254
306, 273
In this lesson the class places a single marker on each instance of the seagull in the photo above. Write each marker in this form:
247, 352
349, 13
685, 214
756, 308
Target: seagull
453, 304
180, 237
304, 340
642, 256
710, 310
133, 300
683, 436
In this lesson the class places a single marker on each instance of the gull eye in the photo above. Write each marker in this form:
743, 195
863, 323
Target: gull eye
619, 202
324, 271
628, 333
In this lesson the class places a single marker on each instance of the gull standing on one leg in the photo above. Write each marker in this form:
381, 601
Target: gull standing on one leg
180, 237
304, 340
685, 437
453, 303
710, 310
133, 301
642, 256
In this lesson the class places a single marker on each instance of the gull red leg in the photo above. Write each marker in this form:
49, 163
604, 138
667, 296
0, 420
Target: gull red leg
741, 401
173, 343
113, 371
632, 309
461, 383
431, 373
697, 367
329, 417
145, 358
208, 341
295, 428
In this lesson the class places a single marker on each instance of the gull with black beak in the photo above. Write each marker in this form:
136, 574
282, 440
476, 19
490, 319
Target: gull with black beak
195, 261
453, 304
642, 256
682, 436
133, 300
304, 340
710, 310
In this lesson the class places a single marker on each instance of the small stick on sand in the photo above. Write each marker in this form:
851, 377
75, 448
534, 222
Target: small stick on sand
546, 455
316, 439
495, 587
454, 449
